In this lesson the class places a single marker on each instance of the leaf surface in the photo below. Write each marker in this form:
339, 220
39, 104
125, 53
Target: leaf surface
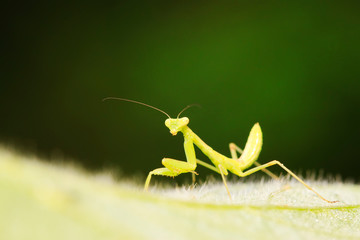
39, 201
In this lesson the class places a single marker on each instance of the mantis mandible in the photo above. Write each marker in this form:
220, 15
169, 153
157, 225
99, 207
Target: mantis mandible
222, 164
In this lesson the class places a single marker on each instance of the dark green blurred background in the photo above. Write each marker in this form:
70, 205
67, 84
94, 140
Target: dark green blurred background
293, 67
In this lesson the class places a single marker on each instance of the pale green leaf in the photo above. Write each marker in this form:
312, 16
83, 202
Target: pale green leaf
39, 201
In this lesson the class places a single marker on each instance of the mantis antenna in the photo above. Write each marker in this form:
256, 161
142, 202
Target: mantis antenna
187, 107
129, 100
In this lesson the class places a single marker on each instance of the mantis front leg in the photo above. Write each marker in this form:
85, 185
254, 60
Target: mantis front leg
175, 167
159, 171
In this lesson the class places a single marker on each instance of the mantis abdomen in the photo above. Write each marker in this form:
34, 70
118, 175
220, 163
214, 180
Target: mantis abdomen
252, 148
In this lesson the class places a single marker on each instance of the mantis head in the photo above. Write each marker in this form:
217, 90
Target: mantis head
176, 124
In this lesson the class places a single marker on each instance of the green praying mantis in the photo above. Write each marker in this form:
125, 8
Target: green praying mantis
222, 165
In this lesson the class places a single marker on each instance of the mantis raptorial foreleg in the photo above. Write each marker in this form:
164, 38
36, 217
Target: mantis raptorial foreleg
159, 171
178, 166
175, 167
234, 148
172, 169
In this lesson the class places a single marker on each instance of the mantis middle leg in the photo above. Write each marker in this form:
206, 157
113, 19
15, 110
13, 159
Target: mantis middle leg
219, 170
204, 164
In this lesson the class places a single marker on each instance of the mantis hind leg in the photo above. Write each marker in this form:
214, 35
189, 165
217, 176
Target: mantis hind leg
274, 162
234, 149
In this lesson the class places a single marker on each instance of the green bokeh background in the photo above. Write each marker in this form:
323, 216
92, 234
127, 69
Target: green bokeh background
293, 67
